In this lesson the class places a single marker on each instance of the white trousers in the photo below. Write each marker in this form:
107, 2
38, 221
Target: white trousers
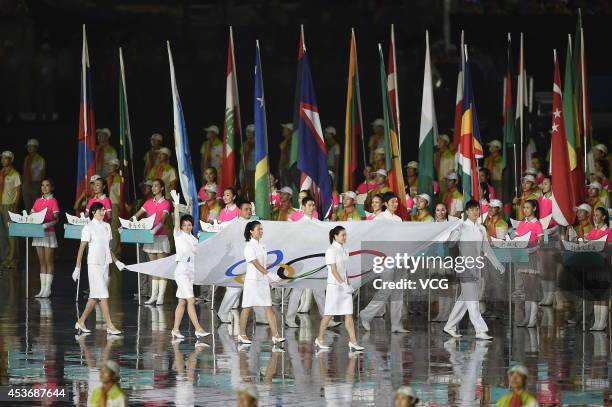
294, 302
470, 306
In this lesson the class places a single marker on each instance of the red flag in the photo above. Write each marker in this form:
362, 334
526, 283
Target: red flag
562, 197
231, 126
392, 88
459, 101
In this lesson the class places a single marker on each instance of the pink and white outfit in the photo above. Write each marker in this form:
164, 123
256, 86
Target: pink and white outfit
202, 193
275, 199
596, 234
545, 209
104, 200
160, 243
372, 216
50, 203
229, 213
299, 214
366, 187
535, 227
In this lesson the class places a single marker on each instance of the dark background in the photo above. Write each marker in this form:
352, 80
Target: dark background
198, 32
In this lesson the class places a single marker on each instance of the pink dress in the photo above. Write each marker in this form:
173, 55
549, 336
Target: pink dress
595, 234
409, 202
151, 206
484, 206
299, 214
104, 200
225, 215
365, 187
52, 208
372, 216
275, 199
534, 226
545, 207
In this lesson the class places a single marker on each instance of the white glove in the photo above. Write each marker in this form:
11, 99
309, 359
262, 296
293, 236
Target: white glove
46, 225
120, 265
76, 273
176, 197
273, 277
501, 269
133, 219
348, 288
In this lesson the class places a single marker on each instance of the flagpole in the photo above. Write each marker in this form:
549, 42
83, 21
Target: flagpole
397, 109
127, 117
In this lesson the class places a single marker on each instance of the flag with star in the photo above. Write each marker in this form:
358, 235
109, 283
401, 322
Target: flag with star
262, 165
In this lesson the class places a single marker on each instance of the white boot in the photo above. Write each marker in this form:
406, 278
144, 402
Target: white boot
596, 318
533, 315
603, 317
154, 288
161, 291
47, 292
43, 284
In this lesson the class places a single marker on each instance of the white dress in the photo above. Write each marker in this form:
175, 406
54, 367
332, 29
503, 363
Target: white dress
338, 299
186, 246
98, 235
256, 292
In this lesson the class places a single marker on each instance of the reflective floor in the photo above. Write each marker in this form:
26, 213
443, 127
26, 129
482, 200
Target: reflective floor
38, 345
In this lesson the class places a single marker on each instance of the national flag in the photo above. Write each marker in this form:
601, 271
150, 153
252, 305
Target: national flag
562, 198
521, 103
393, 90
262, 167
181, 144
126, 155
86, 164
353, 127
299, 181
572, 128
231, 126
429, 129
471, 144
312, 151
390, 143
580, 93
509, 175
459, 99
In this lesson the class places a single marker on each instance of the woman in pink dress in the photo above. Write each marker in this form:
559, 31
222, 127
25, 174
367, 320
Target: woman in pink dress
210, 178
600, 278
551, 260
530, 271
99, 189
45, 246
377, 207
231, 210
160, 247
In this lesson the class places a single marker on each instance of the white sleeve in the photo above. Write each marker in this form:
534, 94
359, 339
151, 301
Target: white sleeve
249, 253
86, 234
330, 256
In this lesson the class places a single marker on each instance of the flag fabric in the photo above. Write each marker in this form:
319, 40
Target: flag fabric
509, 176
262, 167
86, 164
562, 198
353, 125
521, 101
293, 154
231, 126
126, 156
471, 144
393, 90
183, 156
390, 143
580, 94
459, 100
572, 127
429, 129
312, 151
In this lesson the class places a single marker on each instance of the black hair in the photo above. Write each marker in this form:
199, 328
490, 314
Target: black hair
234, 193
103, 181
335, 232
387, 196
471, 204
485, 171
214, 170
249, 228
186, 218
95, 207
604, 213
485, 188
306, 199
161, 183
534, 205
50, 181
548, 177
241, 201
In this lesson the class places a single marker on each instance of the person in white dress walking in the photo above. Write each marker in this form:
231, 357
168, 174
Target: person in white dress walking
186, 247
339, 293
256, 291
97, 235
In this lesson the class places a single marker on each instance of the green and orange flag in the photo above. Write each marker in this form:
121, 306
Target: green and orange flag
353, 125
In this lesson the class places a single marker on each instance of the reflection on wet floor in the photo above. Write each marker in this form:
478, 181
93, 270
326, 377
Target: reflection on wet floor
38, 345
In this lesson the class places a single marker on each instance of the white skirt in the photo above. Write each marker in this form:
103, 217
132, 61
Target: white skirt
98, 281
183, 275
160, 244
50, 240
256, 293
338, 301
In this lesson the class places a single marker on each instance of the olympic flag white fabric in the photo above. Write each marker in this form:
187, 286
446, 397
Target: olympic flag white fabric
296, 250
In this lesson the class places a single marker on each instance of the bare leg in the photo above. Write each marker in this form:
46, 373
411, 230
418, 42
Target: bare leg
350, 327
106, 313
244, 319
193, 315
88, 308
41, 259
49, 259
178, 314
272, 321
323, 326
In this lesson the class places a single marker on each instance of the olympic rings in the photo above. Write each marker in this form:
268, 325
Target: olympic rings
277, 253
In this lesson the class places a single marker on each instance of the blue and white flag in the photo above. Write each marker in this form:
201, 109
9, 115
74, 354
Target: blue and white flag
183, 157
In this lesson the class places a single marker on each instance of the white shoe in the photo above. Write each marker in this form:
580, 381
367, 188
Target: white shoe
47, 291
201, 334
199, 344
81, 328
244, 340
177, 334
365, 323
154, 290
43, 285
113, 331
484, 336
355, 347
452, 332
277, 339
320, 345
399, 329
276, 349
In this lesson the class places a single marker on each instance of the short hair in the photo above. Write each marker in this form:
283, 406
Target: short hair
249, 228
186, 218
50, 181
471, 204
95, 207
387, 196
306, 199
335, 232
161, 183
242, 201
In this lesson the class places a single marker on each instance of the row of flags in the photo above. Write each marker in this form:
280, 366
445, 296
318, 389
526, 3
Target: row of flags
307, 164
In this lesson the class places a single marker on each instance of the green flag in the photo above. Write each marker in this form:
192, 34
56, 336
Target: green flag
429, 129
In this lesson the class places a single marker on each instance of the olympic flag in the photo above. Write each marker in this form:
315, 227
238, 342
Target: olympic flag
301, 262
